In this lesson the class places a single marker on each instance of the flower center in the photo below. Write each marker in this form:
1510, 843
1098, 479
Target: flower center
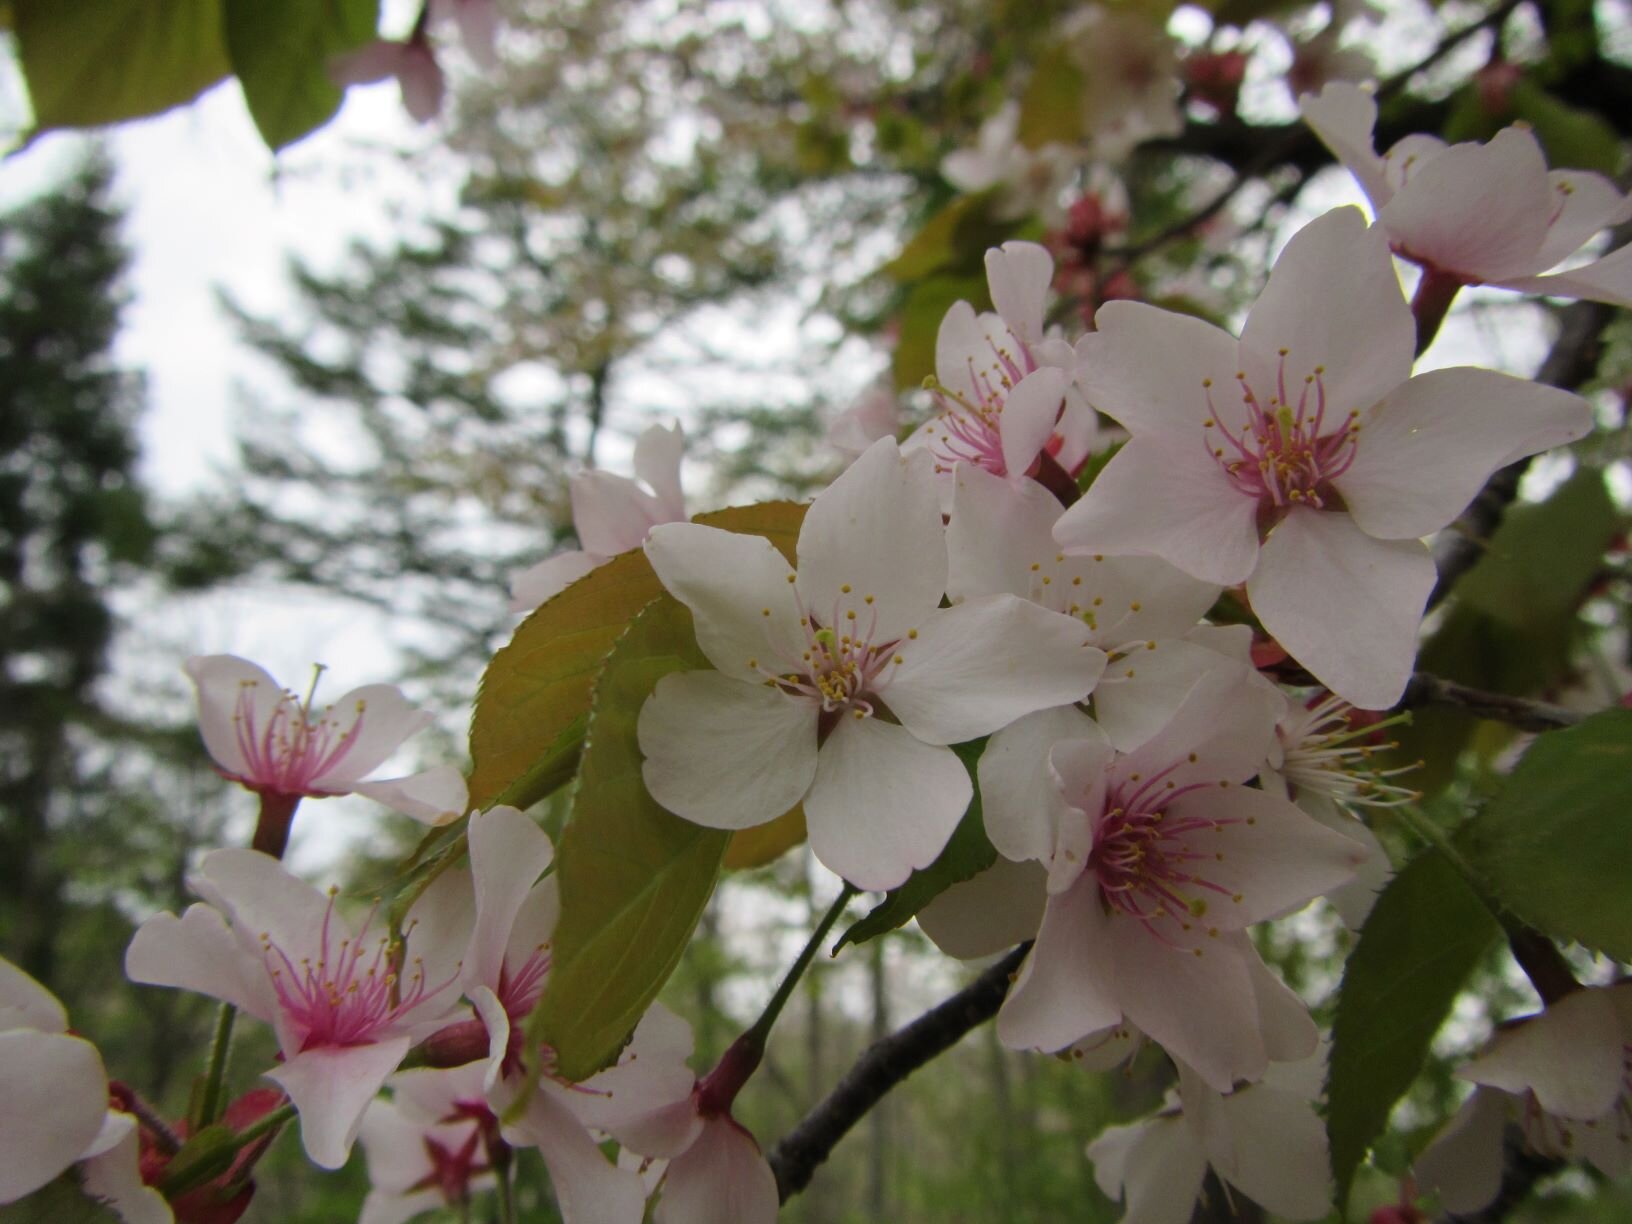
1283, 455
967, 431
1326, 753
1147, 860
292, 748
347, 997
841, 666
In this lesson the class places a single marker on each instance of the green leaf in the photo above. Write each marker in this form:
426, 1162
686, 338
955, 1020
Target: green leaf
634, 877
1556, 843
102, 61
281, 53
1424, 936
535, 694
1051, 108
1513, 625
967, 854
927, 304
959, 234
207, 1154
62, 1201
1573, 139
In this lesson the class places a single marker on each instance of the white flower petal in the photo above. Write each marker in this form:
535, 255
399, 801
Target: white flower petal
24, 1003
875, 534
1333, 303
726, 754
883, 803
1344, 605
1569, 1056
1019, 275
743, 607
1431, 445
435, 796
1266, 1142
262, 898
331, 1087
221, 681
508, 852
1164, 496
1146, 368
979, 666
1029, 413
1586, 203
540, 583
588, 1189
612, 514
1019, 801
112, 1174
1604, 280
1061, 993
1344, 116
998, 528
382, 718
658, 452
1464, 1161
197, 952
1290, 1035
53, 1098
1156, 1165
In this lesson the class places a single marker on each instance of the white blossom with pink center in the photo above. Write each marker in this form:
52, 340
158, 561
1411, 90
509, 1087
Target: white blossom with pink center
506, 968
611, 515
1004, 389
1563, 1076
1486, 214
1264, 1139
811, 662
1302, 459
346, 1004
275, 743
426, 1145
1159, 859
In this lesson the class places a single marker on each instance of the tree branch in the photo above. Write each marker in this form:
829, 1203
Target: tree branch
1521, 712
882, 1066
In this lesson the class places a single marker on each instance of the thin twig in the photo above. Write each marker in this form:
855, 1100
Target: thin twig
882, 1066
1521, 712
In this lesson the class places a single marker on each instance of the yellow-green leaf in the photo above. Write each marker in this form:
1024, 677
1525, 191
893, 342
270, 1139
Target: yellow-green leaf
767, 842
281, 53
101, 61
634, 877
1051, 109
537, 688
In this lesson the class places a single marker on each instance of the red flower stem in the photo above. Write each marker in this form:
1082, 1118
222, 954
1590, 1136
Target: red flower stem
272, 829
1432, 302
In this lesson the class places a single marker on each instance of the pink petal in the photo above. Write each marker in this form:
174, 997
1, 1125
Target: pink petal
53, 1098
1146, 368
1476, 210
1428, 449
587, 1188
197, 952
1000, 907
331, 1087
612, 514
1344, 116
658, 452
1569, 1056
722, 1179
1019, 274
1165, 496
1062, 992
1464, 1161
383, 718
1344, 605
726, 754
221, 680
875, 532
541, 583
730, 581
1028, 417
979, 666
434, 797
883, 803
1019, 801
1271, 855
1334, 304
508, 852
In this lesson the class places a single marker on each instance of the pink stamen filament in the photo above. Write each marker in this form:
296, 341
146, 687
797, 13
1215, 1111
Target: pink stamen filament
971, 431
836, 670
291, 750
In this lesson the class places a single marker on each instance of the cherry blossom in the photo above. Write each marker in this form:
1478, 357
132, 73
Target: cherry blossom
1265, 1139
426, 1146
808, 660
276, 744
1130, 78
611, 514
1564, 1076
345, 1004
1160, 860
1303, 460
1482, 214
1005, 390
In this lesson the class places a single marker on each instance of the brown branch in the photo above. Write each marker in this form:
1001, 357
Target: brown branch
1570, 363
882, 1066
1521, 712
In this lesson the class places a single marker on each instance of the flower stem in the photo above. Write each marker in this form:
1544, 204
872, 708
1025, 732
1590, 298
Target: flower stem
762, 1027
209, 1101
1432, 302
272, 829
